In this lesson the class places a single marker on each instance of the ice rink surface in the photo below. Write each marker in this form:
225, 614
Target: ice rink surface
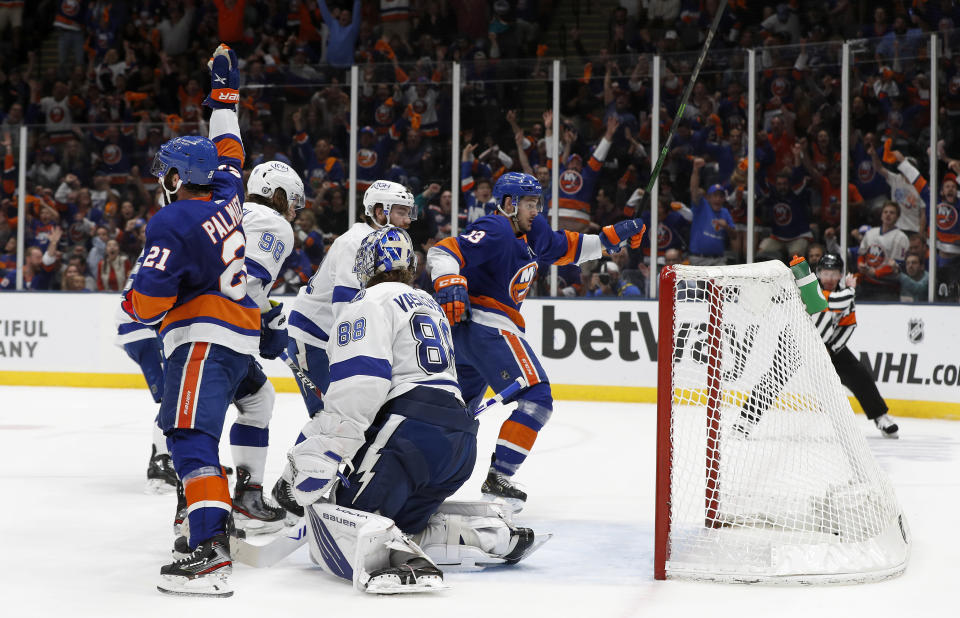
80, 538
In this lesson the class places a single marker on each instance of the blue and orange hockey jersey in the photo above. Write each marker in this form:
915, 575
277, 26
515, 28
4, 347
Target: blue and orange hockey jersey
192, 280
500, 267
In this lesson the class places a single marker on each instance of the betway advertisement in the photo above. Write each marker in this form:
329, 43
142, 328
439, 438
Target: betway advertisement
912, 350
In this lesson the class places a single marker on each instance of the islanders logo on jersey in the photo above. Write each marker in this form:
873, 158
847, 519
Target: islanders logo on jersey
954, 86
112, 154
520, 283
782, 214
875, 256
384, 115
366, 158
946, 215
664, 236
571, 182
780, 87
865, 172
56, 114
70, 8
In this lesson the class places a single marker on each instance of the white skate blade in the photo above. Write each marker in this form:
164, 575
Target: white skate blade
512, 506
158, 487
390, 584
206, 586
266, 550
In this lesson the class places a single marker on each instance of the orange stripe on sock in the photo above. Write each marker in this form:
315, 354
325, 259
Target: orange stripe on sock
209, 488
515, 433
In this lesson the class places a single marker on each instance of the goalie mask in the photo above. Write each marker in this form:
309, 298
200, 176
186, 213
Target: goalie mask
388, 249
267, 177
387, 194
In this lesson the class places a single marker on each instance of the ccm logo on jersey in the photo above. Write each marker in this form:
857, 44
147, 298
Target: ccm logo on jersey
520, 284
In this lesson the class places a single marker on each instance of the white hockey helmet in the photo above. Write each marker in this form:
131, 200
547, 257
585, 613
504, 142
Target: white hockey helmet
389, 194
267, 177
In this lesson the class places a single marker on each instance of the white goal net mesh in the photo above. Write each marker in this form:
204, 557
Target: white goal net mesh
770, 475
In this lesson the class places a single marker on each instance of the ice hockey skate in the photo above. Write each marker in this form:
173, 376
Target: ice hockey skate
416, 575
202, 572
251, 513
161, 476
499, 488
887, 426
283, 494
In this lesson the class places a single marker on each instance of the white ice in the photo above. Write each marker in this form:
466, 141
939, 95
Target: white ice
80, 538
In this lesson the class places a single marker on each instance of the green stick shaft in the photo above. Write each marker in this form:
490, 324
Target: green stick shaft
686, 96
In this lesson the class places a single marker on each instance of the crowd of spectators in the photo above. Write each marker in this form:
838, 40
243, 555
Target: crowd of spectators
129, 76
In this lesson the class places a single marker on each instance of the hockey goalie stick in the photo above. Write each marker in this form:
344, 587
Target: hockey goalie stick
512, 389
276, 548
683, 100
301, 376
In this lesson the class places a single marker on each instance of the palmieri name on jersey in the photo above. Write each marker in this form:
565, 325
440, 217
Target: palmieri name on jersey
218, 223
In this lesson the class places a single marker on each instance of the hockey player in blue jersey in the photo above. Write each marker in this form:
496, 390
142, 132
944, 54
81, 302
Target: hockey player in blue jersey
193, 284
481, 278
396, 432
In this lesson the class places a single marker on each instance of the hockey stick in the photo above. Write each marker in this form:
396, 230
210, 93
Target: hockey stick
301, 376
686, 97
278, 547
511, 389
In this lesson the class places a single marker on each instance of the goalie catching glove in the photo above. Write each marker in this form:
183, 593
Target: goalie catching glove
613, 237
451, 294
224, 79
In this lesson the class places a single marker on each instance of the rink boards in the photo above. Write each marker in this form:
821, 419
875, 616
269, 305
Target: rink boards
592, 350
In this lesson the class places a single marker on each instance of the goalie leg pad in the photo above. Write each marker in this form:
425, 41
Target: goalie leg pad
352, 544
476, 534
467, 534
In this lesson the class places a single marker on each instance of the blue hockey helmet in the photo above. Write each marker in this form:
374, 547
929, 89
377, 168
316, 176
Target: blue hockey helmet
385, 250
516, 185
194, 157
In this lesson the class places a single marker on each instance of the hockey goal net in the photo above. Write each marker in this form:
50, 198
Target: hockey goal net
763, 471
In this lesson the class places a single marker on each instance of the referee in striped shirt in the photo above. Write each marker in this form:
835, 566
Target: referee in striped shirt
836, 325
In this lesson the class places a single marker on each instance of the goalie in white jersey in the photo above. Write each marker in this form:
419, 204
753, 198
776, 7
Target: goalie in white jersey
334, 284
274, 194
396, 431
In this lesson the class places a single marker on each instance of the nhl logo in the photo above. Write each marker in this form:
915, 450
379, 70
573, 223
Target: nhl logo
915, 330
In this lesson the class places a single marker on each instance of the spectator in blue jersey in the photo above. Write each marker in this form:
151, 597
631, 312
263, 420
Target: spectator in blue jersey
40, 267
709, 229
477, 190
342, 40
786, 211
310, 236
321, 165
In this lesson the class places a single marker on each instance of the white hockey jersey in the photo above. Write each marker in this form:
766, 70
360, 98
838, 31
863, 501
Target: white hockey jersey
269, 240
128, 329
387, 341
334, 284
